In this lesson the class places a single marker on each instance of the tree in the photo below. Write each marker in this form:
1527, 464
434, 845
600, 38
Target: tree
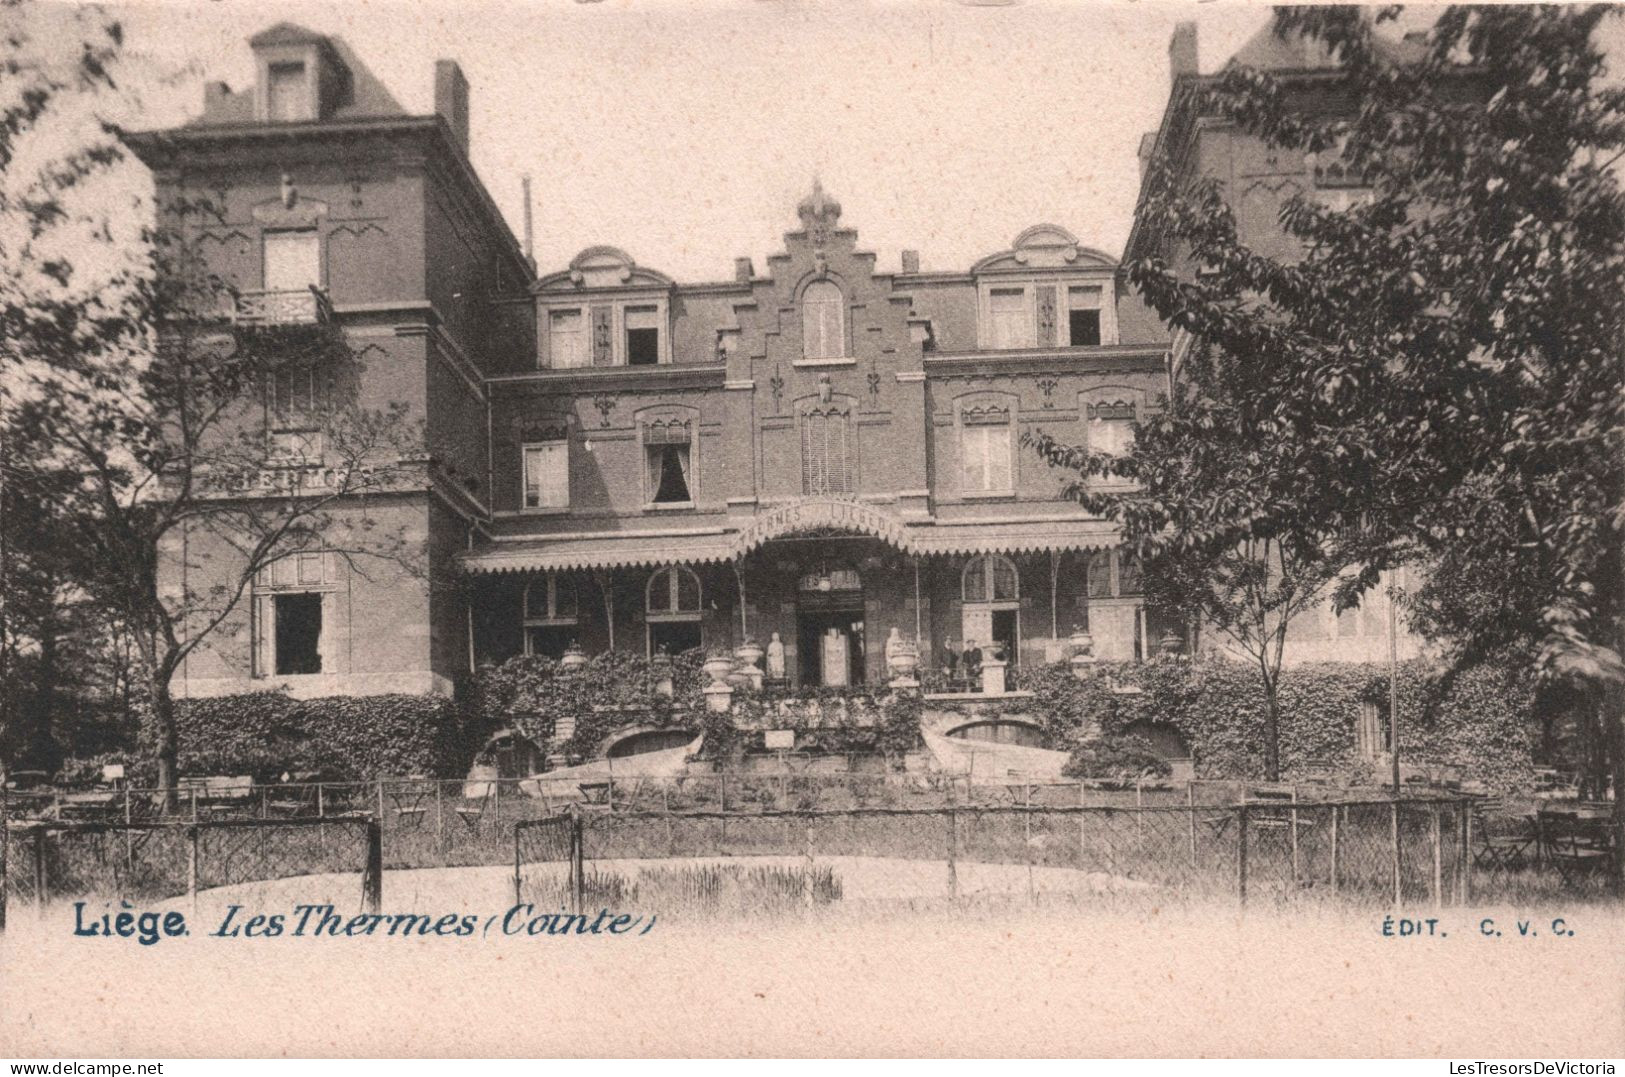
1444, 351
1250, 588
58, 90
178, 502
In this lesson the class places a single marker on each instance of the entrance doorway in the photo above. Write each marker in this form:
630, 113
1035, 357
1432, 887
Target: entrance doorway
830, 645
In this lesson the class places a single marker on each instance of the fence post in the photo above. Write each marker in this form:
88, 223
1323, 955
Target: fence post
440, 819
41, 883
723, 775
321, 801
1190, 812
953, 849
5, 841
1435, 826
380, 800
372, 877
192, 838
578, 885
807, 876
129, 839
1241, 852
1336, 818
1292, 834
496, 800
194, 803
518, 828
265, 804
1393, 829
1464, 858
609, 796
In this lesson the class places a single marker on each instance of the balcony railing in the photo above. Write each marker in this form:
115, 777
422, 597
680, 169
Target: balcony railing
307, 307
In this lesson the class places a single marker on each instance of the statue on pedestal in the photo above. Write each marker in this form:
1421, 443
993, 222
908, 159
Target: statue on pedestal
775, 658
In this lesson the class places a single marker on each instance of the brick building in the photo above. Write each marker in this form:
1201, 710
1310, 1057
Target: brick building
814, 449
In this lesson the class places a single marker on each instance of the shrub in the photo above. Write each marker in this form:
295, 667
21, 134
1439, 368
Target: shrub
1124, 758
1480, 718
342, 737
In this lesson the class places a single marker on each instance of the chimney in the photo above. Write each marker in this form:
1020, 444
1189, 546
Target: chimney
214, 95
911, 261
1182, 52
451, 100
743, 270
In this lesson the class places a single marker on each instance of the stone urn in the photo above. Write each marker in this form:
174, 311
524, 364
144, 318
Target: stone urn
749, 653
717, 667
574, 658
1172, 644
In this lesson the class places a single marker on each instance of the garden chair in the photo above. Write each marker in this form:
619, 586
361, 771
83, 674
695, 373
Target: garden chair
472, 810
1578, 849
1503, 840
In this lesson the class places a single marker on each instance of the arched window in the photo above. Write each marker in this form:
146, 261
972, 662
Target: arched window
823, 329
672, 610
550, 615
990, 579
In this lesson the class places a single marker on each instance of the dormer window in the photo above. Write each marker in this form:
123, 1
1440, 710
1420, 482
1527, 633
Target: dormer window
642, 336
823, 332
289, 93
1083, 304
1011, 318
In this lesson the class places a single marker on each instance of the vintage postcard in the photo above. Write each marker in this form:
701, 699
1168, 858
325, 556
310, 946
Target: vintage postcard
794, 528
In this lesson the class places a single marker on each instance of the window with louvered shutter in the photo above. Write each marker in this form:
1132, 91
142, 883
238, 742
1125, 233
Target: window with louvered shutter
826, 459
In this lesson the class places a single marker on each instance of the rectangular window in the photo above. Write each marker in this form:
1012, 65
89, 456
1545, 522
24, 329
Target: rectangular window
567, 339
287, 94
298, 633
547, 475
986, 454
1114, 437
295, 390
293, 261
1083, 315
669, 474
1011, 321
642, 336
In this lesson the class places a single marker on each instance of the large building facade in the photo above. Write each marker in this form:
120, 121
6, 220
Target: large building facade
811, 451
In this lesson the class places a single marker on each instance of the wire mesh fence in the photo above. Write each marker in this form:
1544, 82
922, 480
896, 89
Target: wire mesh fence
44, 861
1394, 851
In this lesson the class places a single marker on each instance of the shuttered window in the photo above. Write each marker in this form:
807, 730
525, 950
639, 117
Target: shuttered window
1011, 319
826, 456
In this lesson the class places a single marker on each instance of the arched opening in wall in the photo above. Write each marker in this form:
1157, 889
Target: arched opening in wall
512, 754
650, 740
1002, 731
1166, 742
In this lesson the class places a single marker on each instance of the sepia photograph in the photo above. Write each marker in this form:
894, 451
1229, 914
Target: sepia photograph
953, 529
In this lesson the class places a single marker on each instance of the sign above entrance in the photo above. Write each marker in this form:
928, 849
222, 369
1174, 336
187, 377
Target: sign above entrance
824, 514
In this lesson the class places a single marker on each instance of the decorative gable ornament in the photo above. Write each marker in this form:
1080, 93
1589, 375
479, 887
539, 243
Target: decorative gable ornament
819, 214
